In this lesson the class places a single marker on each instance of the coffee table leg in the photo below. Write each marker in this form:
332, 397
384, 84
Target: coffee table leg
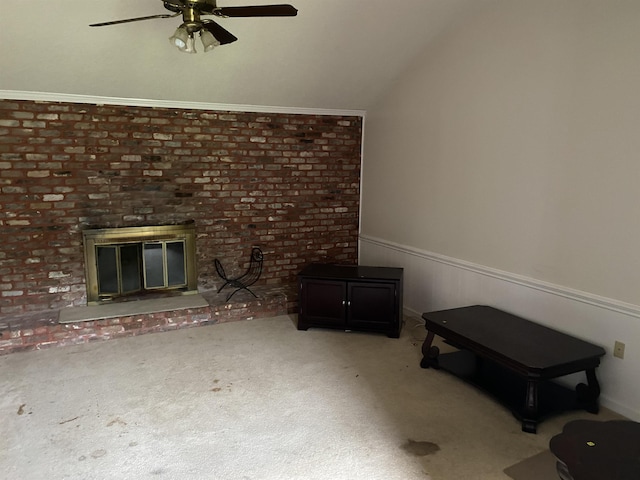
587, 395
530, 414
429, 353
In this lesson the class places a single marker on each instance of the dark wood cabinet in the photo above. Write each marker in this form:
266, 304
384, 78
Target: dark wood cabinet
351, 297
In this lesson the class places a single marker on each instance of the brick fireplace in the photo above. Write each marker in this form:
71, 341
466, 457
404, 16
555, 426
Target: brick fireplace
287, 183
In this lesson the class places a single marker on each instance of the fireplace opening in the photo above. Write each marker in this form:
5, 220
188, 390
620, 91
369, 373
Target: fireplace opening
121, 263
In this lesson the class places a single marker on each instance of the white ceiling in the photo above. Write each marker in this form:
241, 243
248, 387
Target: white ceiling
336, 54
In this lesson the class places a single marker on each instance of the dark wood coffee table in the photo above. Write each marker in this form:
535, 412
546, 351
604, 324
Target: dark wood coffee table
514, 359
592, 450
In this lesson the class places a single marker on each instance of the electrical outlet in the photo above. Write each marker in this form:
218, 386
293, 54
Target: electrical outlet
618, 349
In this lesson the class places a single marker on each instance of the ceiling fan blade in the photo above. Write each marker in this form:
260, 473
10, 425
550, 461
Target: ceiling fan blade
222, 35
137, 19
257, 11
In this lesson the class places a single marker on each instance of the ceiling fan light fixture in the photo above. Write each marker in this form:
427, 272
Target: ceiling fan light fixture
191, 44
182, 40
209, 42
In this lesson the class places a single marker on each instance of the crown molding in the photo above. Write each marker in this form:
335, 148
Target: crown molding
142, 102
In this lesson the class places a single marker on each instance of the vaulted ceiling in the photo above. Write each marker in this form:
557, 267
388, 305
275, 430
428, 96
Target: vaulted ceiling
336, 54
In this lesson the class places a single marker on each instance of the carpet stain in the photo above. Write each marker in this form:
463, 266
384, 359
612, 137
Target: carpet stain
219, 389
21, 409
98, 453
420, 449
116, 420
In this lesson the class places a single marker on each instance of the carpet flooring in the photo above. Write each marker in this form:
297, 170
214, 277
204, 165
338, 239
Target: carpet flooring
252, 400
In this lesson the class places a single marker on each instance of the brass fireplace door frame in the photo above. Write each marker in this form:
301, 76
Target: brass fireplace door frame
123, 235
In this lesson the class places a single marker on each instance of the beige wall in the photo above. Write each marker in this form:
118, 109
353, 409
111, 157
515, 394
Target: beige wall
514, 142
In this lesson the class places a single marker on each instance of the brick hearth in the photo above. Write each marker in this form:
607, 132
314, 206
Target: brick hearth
42, 330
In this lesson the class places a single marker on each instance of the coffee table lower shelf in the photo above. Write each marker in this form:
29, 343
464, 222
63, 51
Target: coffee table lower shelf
510, 389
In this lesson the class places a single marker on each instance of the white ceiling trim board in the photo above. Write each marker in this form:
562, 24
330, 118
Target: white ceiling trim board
140, 102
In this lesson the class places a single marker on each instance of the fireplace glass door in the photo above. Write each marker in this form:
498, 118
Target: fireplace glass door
164, 264
118, 269
130, 268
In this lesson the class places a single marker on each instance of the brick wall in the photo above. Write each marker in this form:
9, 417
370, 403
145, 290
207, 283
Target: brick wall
287, 183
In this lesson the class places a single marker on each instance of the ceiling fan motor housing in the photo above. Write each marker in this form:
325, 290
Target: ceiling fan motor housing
204, 6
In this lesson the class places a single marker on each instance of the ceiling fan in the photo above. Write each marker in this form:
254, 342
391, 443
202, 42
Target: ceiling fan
211, 34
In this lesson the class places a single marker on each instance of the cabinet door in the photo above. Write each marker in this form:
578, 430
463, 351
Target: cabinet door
323, 303
372, 305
